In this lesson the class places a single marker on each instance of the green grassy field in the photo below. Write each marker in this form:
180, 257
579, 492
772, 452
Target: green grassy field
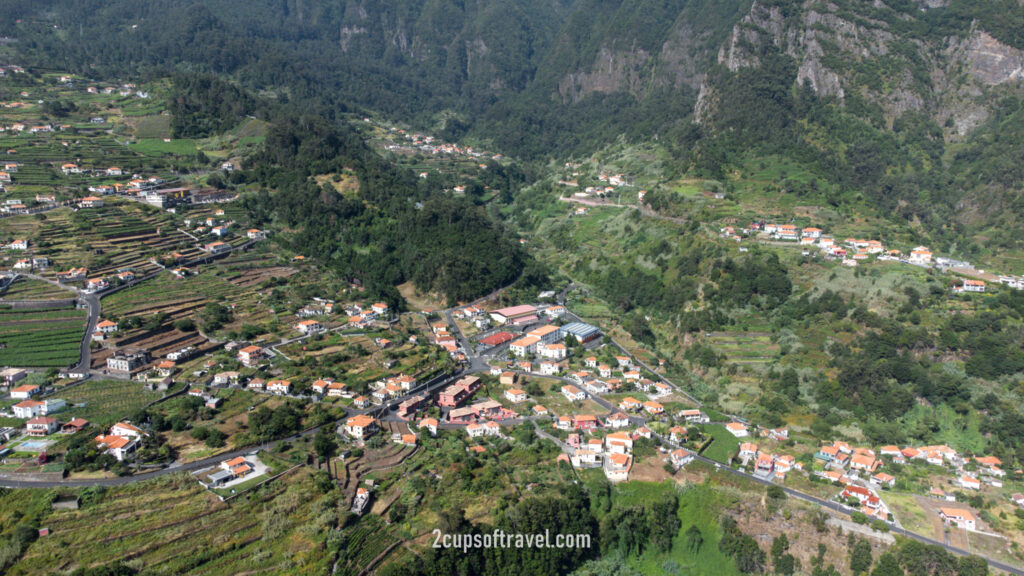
104, 402
41, 338
724, 446
157, 147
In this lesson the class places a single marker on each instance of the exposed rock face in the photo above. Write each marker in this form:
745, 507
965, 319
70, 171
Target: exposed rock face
838, 52
612, 71
991, 62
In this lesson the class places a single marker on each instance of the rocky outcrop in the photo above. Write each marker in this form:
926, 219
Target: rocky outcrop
839, 51
991, 62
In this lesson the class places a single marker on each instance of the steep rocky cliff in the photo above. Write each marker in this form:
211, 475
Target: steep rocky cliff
887, 58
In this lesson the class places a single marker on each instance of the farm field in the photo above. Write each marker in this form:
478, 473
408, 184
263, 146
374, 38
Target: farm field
104, 402
174, 526
32, 289
724, 446
44, 339
119, 235
173, 296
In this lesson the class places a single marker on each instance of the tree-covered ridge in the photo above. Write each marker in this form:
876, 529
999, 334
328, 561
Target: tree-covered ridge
397, 229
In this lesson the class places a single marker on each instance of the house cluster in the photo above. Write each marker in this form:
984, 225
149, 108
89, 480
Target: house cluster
766, 464
613, 453
35, 263
608, 183
392, 387
474, 414
28, 409
474, 315
318, 307
121, 441
362, 317
445, 339
547, 342
100, 283
429, 144
278, 386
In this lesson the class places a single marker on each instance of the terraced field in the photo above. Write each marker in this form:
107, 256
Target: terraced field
173, 296
174, 526
105, 402
31, 289
41, 339
745, 348
366, 541
111, 238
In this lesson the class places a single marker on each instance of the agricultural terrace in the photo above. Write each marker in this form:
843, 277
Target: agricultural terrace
176, 297
41, 338
119, 235
104, 402
41, 156
240, 537
32, 289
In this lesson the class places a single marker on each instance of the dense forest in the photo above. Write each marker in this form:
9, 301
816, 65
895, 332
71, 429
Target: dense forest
570, 76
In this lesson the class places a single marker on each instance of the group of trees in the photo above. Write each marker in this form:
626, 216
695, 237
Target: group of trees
271, 423
397, 230
633, 530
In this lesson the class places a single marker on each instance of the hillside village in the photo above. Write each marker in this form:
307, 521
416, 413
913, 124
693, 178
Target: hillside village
854, 251
382, 380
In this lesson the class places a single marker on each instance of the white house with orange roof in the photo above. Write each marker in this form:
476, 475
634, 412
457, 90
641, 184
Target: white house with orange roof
969, 482
630, 404
737, 429
127, 430
616, 467
120, 447
486, 429
970, 286
250, 355
921, 255
554, 351
25, 391
748, 450
884, 479
959, 517
515, 395
653, 408
309, 326
106, 326
694, 416
361, 426
573, 394
617, 420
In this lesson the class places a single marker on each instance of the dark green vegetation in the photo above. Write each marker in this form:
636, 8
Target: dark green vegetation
397, 230
544, 86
